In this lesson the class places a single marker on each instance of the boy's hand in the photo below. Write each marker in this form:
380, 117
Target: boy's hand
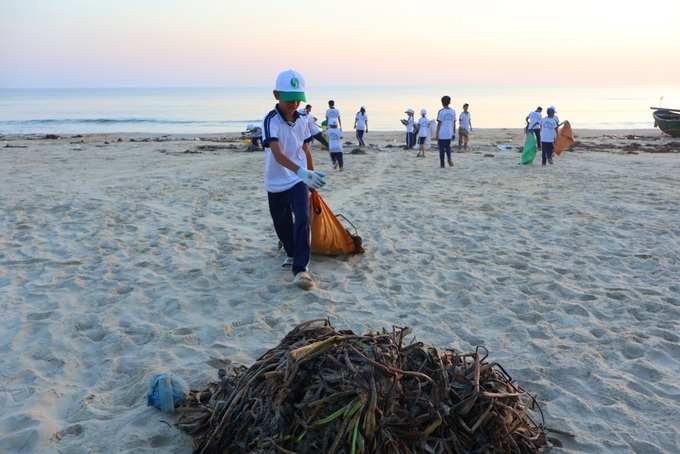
312, 179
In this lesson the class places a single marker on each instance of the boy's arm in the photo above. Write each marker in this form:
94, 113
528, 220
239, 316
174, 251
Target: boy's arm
308, 153
282, 159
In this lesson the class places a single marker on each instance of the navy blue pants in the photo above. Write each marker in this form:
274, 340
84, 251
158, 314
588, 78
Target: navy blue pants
290, 214
410, 139
547, 149
444, 150
336, 157
360, 137
537, 133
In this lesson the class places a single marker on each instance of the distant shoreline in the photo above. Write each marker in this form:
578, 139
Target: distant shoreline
478, 132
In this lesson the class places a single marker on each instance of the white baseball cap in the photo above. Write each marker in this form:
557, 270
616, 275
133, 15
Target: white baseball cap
409, 111
332, 121
423, 112
291, 86
250, 127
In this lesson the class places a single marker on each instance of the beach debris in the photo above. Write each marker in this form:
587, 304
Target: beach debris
166, 392
358, 151
323, 390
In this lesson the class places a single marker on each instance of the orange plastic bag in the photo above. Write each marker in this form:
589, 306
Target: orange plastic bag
565, 138
329, 236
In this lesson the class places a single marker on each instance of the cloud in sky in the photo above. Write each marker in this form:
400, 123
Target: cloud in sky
85, 43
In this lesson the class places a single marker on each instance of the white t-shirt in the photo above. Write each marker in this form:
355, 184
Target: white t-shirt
534, 119
548, 129
424, 127
464, 121
313, 128
446, 117
362, 118
332, 113
409, 123
334, 142
291, 136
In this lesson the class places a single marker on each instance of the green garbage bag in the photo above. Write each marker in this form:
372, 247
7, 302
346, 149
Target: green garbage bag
529, 151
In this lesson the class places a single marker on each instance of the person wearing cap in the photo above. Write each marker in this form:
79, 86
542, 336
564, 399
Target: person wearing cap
534, 124
361, 125
335, 144
255, 133
464, 127
332, 112
549, 127
446, 130
289, 174
409, 122
423, 132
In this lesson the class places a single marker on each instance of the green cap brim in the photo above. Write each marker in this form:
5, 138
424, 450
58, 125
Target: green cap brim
292, 96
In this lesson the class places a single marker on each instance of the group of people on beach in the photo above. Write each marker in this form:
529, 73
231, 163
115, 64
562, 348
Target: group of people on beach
445, 131
545, 131
288, 130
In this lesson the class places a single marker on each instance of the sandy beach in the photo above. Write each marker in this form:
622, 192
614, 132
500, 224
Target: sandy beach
125, 255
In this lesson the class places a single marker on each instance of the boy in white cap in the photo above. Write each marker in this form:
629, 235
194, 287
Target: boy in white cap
255, 133
335, 143
289, 174
409, 122
423, 132
549, 127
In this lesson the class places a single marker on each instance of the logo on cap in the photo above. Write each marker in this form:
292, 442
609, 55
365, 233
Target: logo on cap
294, 82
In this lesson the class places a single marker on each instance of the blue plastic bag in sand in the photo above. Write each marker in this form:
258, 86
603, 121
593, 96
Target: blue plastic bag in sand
166, 392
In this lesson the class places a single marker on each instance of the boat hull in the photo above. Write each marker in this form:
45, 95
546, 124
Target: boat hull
668, 122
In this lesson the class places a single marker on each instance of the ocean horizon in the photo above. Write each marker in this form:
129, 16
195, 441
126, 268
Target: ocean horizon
229, 109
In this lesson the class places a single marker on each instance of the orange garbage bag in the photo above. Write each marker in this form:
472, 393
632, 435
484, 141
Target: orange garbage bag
329, 236
565, 138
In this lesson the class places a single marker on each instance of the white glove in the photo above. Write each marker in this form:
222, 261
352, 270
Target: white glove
312, 179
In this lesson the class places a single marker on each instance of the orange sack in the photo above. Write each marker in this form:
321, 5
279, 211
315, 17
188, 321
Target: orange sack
565, 138
329, 236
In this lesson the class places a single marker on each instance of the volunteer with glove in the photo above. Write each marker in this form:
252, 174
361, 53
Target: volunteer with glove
289, 174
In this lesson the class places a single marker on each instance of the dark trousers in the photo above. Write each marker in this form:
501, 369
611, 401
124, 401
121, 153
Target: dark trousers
547, 149
537, 133
444, 150
319, 136
336, 156
360, 137
410, 139
290, 213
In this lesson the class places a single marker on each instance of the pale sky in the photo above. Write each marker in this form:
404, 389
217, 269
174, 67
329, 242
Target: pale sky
194, 43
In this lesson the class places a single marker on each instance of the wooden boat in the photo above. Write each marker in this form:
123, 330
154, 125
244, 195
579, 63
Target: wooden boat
667, 120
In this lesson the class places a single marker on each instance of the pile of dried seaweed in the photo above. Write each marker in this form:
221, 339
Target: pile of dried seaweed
327, 391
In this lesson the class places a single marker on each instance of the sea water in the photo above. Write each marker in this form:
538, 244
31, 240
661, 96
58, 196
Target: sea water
231, 109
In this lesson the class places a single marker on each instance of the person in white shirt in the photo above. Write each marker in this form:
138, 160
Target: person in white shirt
423, 132
464, 127
446, 130
289, 174
361, 125
549, 127
335, 144
410, 124
534, 125
332, 112
313, 127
